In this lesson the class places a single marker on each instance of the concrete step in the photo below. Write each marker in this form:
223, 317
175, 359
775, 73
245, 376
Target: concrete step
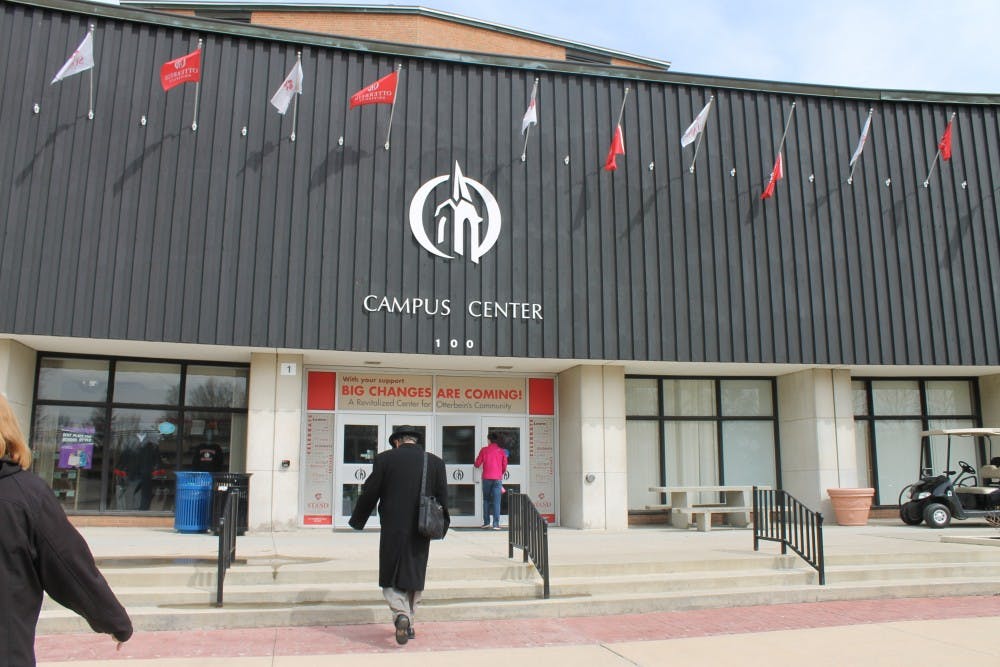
236, 615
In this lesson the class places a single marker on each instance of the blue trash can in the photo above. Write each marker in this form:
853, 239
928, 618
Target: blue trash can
193, 505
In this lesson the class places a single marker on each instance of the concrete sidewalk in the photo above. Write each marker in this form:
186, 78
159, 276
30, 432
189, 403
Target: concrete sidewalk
868, 632
856, 632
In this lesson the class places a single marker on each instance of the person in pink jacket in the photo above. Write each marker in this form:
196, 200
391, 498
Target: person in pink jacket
493, 460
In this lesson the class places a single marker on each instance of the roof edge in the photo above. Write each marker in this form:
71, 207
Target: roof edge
212, 26
416, 10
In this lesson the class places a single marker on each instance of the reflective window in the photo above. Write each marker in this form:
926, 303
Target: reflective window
949, 397
360, 443
109, 434
746, 398
896, 397
708, 431
458, 445
147, 383
888, 443
81, 380
509, 440
641, 397
688, 398
216, 387
68, 444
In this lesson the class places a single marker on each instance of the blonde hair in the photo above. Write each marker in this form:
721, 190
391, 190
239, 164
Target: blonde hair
12, 442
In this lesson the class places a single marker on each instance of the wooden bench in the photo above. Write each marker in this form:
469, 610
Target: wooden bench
736, 505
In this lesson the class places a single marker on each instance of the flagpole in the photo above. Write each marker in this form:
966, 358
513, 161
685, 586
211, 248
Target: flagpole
698, 145
936, 156
527, 133
90, 113
295, 101
621, 112
850, 177
392, 109
197, 88
788, 124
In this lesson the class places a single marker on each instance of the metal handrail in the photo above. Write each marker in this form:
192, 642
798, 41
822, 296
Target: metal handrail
227, 540
779, 517
528, 531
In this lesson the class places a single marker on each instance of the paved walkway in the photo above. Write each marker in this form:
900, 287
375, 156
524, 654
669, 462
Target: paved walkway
869, 632
959, 630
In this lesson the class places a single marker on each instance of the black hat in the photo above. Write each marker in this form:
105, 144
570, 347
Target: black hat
400, 431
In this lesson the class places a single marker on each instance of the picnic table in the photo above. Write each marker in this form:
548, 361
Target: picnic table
735, 503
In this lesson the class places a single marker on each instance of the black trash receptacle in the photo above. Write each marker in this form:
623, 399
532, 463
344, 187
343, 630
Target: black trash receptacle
221, 483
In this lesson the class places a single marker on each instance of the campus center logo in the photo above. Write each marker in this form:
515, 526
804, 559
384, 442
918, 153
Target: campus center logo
461, 207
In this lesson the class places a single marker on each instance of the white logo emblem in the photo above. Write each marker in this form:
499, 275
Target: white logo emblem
463, 209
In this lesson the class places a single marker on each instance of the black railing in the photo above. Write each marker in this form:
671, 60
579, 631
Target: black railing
529, 532
778, 517
227, 539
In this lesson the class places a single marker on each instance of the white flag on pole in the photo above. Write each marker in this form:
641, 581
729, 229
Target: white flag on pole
697, 126
531, 115
81, 60
291, 86
861, 141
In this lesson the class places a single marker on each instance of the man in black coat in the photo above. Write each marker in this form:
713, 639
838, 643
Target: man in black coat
402, 555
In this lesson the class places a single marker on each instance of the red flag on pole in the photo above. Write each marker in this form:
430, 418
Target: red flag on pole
617, 148
181, 70
382, 91
945, 144
776, 175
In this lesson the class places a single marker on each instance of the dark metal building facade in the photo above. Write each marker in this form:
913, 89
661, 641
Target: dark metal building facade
132, 226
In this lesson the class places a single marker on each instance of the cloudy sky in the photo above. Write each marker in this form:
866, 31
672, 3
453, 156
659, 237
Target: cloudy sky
890, 44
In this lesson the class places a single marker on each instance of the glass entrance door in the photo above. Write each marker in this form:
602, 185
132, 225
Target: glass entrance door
458, 443
359, 437
510, 435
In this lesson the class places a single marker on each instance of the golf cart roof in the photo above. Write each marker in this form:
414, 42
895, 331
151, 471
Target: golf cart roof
968, 432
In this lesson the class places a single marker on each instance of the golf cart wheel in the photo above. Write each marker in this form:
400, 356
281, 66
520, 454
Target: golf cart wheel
911, 514
937, 515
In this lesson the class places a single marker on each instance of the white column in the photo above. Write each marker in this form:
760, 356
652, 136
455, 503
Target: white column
274, 432
816, 427
593, 493
17, 379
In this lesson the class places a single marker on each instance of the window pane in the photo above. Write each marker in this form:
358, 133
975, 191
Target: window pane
862, 452
509, 439
962, 448
216, 387
691, 453
212, 442
73, 380
897, 449
689, 398
143, 458
640, 397
68, 445
949, 397
155, 384
746, 398
642, 440
859, 393
458, 445
896, 397
748, 452
360, 443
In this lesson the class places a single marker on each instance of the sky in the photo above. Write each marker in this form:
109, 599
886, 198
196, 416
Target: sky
946, 45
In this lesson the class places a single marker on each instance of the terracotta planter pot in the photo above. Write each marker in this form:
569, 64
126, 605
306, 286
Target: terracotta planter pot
850, 506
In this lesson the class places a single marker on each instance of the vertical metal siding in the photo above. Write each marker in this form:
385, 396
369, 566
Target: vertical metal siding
112, 229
